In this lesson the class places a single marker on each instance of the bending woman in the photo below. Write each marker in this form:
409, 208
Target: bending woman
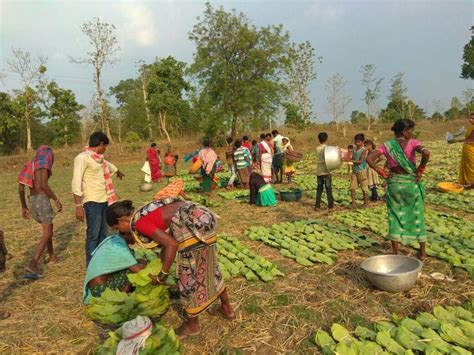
466, 169
405, 193
186, 232
261, 192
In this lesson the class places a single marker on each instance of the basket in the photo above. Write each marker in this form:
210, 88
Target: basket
293, 156
195, 166
291, 195
451, 187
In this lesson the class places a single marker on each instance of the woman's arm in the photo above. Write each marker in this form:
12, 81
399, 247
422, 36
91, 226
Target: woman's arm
372, 159
137, 267
169, 248
425, 157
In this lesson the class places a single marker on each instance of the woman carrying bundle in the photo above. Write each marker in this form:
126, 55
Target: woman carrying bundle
466, 169
187, 234
169, 167
208, 169
405, 193
289, 167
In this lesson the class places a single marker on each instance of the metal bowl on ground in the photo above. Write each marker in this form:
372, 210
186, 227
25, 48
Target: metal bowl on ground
291, 195
332, 157
392, 273
146, 186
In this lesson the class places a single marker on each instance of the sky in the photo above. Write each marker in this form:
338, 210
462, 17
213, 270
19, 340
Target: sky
422, 39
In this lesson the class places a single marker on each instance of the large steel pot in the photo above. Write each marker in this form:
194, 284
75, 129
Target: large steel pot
332, 157
146, 186
392, 273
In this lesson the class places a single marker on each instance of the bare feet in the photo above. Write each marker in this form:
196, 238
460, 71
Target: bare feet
187, 330
421, 255
222, 311
53, 259
32, 267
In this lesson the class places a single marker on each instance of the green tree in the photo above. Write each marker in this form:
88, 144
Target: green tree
437, 116
239, 66
9, 125
413, 111
293, 117
398, 94
27, 104
358, 117
467, 67
300, 73
64, 114
165, 90
372, 89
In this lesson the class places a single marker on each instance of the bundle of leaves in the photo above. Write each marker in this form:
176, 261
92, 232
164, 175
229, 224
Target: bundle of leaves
447, 330
161, 341
116, 307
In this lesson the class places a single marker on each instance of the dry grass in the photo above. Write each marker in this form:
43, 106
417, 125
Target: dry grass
276, 317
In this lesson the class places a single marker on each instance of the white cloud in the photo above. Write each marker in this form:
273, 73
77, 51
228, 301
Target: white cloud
325, 11
139, 26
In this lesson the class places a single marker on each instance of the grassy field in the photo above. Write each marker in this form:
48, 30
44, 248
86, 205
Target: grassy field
275, 317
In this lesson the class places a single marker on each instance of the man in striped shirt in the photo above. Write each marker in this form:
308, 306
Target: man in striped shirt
242, 162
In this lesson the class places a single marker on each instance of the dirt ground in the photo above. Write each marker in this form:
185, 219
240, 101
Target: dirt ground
275, 317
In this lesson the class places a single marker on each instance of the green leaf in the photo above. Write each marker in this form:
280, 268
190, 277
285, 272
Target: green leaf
325, 342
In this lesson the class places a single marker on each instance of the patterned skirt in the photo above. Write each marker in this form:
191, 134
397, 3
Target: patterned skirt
406, 210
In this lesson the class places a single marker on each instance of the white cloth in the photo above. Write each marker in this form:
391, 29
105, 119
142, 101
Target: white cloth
134, 335
146, 169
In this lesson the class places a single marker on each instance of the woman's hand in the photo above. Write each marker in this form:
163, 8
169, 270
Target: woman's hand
58, 204
419, 172
155, 280
25, 212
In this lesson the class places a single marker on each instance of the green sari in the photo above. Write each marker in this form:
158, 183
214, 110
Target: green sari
405, 200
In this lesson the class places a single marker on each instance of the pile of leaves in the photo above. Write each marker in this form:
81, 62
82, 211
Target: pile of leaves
449, 238
235, 194
462, 202
235, 259
309, 241
161, 341
203, 200
448, 330
116, 307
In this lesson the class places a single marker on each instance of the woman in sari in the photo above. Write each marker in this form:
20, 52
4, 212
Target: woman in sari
208, 169
405, 193
112, 260
266, 158
466, 168
261, 192
289, 167
187, 234
169, 168
153, 158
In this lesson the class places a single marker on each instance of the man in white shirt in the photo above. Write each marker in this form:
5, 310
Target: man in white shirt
278, 157
93, 190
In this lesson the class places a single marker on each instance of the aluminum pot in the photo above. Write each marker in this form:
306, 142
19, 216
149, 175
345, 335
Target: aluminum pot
146, 186
332, 157
392, 273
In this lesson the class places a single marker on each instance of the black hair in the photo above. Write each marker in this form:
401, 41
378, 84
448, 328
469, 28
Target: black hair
117, 210
206, 142
237, 143
96, 138
254, 142
245, 138
370, 142
268, 135
359, 137
350, 146
153, 145
262, 136
402, 125
229, 140
275, 132
323, 137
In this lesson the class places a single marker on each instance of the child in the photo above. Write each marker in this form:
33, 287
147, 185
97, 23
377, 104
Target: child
323, 174
372, 176
242, 163
350, 164
35, 174
359, 176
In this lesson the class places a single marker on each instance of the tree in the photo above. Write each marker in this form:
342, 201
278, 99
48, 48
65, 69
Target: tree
104, 49
372, 88
9, 125
292, 116
300, 73
398, 93
468, 100
164, 92
358, 117
467, 67
336, 98
413, 111
64, 114
30, 71
238, 66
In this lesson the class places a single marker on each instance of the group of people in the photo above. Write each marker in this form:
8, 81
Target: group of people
154, 169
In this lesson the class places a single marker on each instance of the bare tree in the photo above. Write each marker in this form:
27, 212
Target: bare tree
372, 88
30, 71
104, 49
336, 98
143, 78
468, 99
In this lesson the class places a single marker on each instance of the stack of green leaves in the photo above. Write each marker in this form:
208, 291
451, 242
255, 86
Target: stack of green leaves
309, 241
450, 238
235, 259
447, 330
235, 194
161, 341
462, 202
203, 200
116, 307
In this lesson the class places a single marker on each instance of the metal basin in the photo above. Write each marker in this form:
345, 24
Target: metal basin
392, 273
332, 157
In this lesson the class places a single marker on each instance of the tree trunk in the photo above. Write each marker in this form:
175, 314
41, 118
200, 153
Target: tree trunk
344, 130
29, 143
103, 107
147, 111
162, 116
368, 117
233, 128
65, 136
